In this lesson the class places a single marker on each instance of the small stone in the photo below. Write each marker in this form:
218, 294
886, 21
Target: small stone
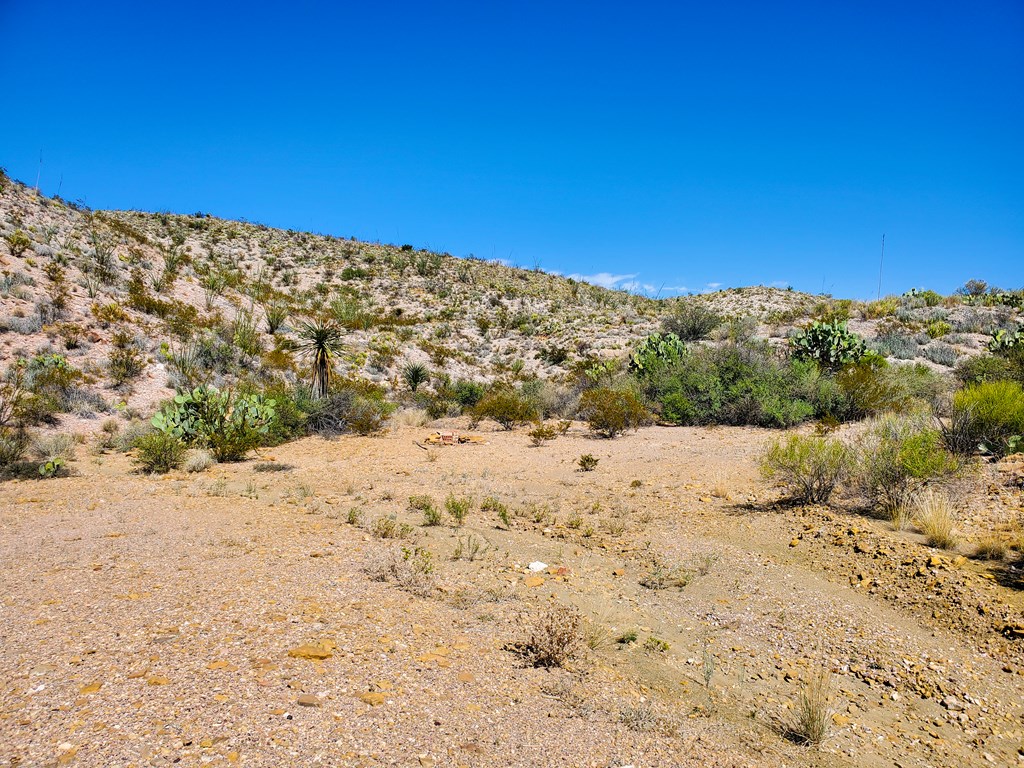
308, 700
374, 699
533, 581
313, 652
840, 720
953, 704
537, 566
794, 542
157, 680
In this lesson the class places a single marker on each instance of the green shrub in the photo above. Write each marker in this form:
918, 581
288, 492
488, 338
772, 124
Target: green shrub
1003, 341
458, 508
13, 444
507, 406
735, 384
351, 405
938, 328
611, 411
229, 425
981, 368
691, 322
125, 363
18, 242
989, 416
159, 452
587, 462
829, 344
810, 466
899, 454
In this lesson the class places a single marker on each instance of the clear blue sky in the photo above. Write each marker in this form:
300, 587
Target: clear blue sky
666, 144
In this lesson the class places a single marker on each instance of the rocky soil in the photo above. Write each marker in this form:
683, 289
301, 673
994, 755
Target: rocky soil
253, 615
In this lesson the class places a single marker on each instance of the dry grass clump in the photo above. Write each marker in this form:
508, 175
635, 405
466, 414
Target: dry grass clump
556, 637
814, 712
411, 568
933, 516
199, 460
410, 417
991, 547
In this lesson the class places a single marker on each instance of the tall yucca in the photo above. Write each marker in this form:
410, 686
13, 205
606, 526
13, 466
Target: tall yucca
319, 340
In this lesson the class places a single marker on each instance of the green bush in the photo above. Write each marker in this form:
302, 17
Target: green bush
982, 368
829, 344
872, 386
229, 425
125, 363
351, 405
611, 411
735, 384
899, 454
507, 406
691, 322
159, 452
810, 466
989, 415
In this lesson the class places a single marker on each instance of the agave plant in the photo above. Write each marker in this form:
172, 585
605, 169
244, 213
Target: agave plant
320, 340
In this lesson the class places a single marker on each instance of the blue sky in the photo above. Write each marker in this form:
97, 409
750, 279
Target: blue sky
658, 146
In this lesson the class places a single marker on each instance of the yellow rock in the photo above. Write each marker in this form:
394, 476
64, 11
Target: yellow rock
91, 688
533, 581
315, 652
157, 680
372, 698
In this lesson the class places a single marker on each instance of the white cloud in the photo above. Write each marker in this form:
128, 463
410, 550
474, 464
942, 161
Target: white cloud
604, 279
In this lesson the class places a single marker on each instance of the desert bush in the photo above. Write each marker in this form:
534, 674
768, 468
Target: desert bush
200, 460
556, 637
507, 406
411, 568
936, 329
872, 386
388, 527
350, 406
899, 345
230, 425
735, 384
941, 353
458, 508
543, 433
830, 344
988, 415
810, 466
691, 322
900, 453
611, 411
587, 462
18, 242
933, 516
159, 452
125, 363
981, 368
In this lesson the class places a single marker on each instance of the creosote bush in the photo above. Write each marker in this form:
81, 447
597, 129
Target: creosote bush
159, 452
507, 406
810, 466
989, 416
611, 411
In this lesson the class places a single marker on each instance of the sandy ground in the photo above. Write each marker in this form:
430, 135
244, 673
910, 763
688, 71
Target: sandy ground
161, 620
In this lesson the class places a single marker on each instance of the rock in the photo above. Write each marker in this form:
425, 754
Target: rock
373, 698
953, 704
537, 566
158, 680
533, 581
314, 652
308, 700
840, 720
794, 542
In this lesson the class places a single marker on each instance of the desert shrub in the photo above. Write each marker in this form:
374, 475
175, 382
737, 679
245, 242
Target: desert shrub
982, 368
989, 416
556, 637
611, 411
830, 344
46, 448
872, 386
898, 345
899, 454
229, 425
159, 452
587, 462
810, 466
18, 242
507, 406
468, 393
411, 568
50, 382
125, 363
691, 322
458, 508
941, 353
350, 406
292, 406
938, 328
542, 433
735, 384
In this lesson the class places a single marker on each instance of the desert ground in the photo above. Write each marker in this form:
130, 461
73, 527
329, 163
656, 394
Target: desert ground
261, 614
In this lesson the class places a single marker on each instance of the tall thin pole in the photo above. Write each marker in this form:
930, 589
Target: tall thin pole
39, 172
880, 260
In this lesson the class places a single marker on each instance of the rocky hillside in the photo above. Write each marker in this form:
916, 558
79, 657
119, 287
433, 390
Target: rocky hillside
181, 292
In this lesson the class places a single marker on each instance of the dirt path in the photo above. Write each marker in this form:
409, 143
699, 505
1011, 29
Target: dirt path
147, 621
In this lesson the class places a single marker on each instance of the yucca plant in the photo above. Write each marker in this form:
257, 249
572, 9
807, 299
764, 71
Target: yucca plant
415, 374
320, 340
